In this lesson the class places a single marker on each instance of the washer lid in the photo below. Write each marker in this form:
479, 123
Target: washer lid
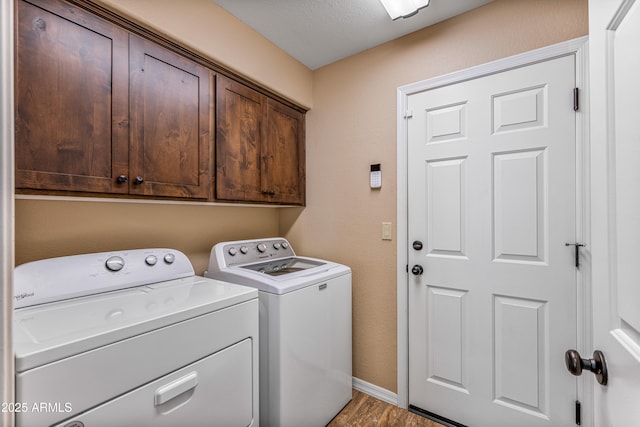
49, 332
269, 277
283, 266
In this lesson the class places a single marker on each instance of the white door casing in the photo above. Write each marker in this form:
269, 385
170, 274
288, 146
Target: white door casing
614, 67
451, 167
7, 211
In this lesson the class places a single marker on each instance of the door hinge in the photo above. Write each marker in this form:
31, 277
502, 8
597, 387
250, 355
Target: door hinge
576, 99
408, 114
578, 412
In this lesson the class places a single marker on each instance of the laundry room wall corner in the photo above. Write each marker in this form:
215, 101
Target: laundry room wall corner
353, 124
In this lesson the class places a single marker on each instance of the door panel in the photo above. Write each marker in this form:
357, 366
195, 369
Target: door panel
283, 156
519, 196
492, 193
169, 123
71, 100
239, 112
615, 130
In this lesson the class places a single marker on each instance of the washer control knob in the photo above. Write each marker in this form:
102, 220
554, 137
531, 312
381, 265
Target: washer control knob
151, 260
262, 247
233, 251
169, 258
277, 246
115, 263
244, 250
285, 245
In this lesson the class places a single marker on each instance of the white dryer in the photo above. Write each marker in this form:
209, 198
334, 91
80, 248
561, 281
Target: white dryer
133, 338
305, 328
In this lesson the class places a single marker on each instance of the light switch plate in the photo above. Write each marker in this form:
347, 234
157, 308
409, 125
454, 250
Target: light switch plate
386, 231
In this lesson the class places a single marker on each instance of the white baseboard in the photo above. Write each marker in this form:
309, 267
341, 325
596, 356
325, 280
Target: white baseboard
375, 391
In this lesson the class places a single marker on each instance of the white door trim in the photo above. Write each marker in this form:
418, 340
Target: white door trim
577, 47
6, 206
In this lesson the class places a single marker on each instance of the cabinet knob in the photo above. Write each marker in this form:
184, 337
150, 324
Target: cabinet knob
122, 179
269, 192
139, 180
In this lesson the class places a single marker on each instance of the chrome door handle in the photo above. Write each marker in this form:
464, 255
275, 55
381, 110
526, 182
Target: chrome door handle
597, 365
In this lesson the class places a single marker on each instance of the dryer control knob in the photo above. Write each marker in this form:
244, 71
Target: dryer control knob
169, 258
285, 245
151, 260
244, 250
115, 263
233, 251
262, 247
276, 245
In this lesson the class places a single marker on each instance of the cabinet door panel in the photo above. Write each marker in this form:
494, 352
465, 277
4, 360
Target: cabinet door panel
71, 100
169, 123
284, 155
239, 112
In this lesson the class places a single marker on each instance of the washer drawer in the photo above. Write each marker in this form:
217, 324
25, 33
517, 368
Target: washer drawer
214, 391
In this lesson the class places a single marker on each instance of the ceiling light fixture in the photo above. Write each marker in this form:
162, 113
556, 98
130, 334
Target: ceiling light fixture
403, 8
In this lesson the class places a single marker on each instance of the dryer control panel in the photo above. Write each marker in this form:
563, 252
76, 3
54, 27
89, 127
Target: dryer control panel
67, 277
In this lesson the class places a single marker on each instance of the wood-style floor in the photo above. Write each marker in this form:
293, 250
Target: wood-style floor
365, 411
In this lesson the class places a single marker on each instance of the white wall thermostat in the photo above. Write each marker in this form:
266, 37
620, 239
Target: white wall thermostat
375, 177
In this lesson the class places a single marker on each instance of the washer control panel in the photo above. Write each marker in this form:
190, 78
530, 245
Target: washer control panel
67, 277
247, 251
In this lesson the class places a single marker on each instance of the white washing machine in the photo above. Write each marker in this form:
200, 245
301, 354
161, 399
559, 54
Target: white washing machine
133, 338
305, 328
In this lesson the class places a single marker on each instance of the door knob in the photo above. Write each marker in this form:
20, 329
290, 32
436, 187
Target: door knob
597, 365
417, 270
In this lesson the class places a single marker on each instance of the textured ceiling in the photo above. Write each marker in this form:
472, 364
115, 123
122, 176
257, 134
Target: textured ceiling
319, 32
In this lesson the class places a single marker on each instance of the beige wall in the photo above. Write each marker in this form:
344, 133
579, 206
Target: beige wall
51, 228
353, 124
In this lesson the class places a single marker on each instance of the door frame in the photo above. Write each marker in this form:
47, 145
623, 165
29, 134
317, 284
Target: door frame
577, 47
7, 258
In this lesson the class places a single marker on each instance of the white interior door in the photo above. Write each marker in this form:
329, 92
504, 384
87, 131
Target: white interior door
614, 67
491, 197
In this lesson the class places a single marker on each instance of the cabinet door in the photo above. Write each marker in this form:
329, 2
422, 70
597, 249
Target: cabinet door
239, 112
284, 154
71, 99
169, 112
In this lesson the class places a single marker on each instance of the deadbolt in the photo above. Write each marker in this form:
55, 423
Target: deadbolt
417, 245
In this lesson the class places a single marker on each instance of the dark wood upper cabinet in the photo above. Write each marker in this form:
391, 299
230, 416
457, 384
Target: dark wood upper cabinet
283, 157
71, 99
169, 113
239, 112
104, 106
259, 147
